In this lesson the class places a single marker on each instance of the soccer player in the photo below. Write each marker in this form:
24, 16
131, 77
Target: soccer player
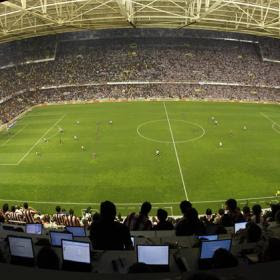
216, 122
277, 193
212, 118
75, 137
110, 122
244, 127
77, 122
220, 144
83, 148
60, 130
93, 155
157, 153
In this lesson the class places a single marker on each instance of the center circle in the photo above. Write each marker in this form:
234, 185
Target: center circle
156, 127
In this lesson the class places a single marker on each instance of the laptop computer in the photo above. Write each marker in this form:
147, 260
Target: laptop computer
207, 250
21, 250
239, 226
77, 231
76, 255
156, 256
34, 229
56, 237
210, 237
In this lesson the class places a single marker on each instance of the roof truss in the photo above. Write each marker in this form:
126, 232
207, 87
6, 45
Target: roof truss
22, 18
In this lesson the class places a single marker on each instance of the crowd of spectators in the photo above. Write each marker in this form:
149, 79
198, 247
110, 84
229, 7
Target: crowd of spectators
109, 231
189, 224
166, 61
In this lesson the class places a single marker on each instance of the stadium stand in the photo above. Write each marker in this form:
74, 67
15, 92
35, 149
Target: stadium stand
148, 67
67, 71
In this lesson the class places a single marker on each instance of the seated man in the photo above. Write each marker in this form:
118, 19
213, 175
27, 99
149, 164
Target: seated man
190, 224
140, 221
163, 224
106, 234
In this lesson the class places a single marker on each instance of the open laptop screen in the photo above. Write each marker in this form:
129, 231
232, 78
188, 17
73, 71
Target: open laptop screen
77, 231
208, 237
56, 237
208, 248
239, 226
75, 251
153, 255
33, 228
21, 247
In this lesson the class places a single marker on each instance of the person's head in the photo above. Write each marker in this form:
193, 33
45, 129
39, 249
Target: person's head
277, 217
208, 212
202, 276
25, 205
5, 207
246, 210
47, 258
13, 208
57, 209
254, 232
184, 206
162, 215
146, 208
222, 258
95, 217
257, 209
231, 204
71, 212
221, 212
108, 210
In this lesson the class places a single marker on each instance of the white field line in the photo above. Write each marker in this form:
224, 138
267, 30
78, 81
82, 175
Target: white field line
38, 141
136, 203
272, 121
274, 125
11, 137
176, 153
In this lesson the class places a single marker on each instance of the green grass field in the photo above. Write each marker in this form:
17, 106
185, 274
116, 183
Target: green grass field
126, 169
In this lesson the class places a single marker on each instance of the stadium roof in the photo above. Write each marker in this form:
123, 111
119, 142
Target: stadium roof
28, 18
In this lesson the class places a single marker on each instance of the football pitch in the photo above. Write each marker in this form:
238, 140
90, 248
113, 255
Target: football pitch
79, 155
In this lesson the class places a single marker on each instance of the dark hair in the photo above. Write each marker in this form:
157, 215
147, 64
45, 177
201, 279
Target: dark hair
246, 209
71, 212
146, 208
254, 232
221, 211
108, 210
13, 208
192, 215
57, 209
257, 210
5, 207
227, 221
185, 205
25, 205
47, 258
162, 214
231, 204
208, 211
223, 259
